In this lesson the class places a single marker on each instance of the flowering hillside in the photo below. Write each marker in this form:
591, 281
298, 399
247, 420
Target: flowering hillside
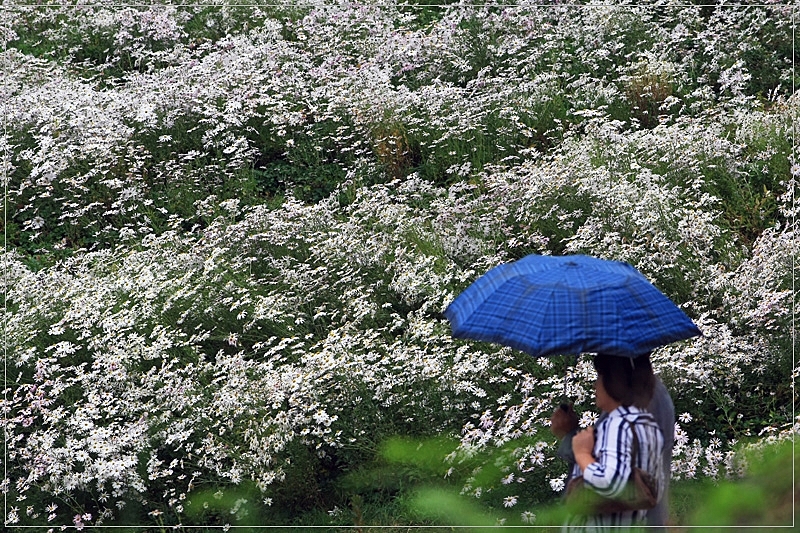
231, 232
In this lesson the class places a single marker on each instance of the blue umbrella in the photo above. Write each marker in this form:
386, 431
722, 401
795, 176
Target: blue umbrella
547, 305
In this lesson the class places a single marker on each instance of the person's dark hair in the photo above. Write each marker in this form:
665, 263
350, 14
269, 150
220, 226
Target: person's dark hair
628, 381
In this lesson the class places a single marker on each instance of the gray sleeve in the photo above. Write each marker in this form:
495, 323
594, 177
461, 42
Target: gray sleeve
663, 410
565, 448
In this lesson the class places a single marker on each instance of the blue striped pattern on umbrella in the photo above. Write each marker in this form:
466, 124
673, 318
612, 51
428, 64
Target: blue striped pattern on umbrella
547, 305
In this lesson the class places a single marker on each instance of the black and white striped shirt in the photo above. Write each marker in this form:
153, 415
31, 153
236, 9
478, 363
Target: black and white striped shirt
613, 453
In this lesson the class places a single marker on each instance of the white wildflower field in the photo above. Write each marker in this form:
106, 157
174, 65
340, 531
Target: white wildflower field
231, 229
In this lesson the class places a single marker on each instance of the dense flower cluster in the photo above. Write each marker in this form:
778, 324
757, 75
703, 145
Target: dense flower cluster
231, 232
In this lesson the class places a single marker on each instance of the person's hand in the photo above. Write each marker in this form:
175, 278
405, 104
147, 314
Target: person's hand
563, 421
583, 446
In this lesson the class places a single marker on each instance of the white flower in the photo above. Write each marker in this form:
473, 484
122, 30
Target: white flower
37, 222
233, 339
509, 501
588, 418
558, 484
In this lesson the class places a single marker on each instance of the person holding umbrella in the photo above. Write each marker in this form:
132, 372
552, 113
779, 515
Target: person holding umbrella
547, 305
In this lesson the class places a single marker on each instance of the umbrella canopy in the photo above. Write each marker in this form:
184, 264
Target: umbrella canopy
547, 305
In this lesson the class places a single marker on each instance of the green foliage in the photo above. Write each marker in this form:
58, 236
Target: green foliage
763, 498
448, 508
239, 506
766, 497
443, 463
